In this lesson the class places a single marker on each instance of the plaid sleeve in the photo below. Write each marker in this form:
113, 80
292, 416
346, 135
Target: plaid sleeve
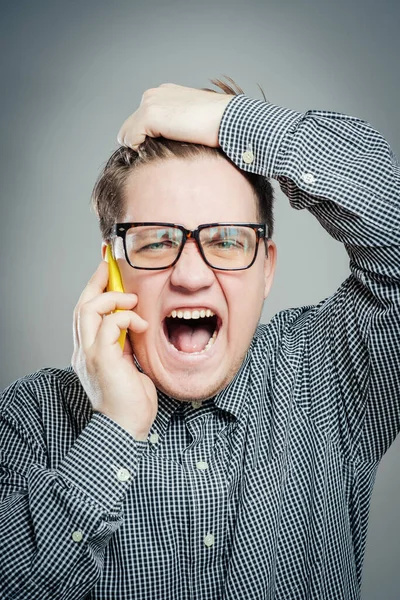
344, 172
55, 521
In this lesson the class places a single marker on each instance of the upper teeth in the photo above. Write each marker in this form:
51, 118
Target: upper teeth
192, 314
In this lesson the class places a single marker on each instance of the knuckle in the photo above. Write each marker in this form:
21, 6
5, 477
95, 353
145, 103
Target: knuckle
151, 113
106, 319
148, 94
84, 310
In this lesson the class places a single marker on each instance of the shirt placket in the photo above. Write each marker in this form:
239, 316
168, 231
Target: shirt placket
206, 481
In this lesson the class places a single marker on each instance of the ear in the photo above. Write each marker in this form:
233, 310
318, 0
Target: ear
269, 267
103, 250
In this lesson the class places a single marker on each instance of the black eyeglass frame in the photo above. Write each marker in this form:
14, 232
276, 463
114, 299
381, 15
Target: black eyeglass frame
120, 229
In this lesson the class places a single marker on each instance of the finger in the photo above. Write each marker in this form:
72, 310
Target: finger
112, 325
131, 139
134, 144
96, 284
133, 131
123, 131
91, 314
108, 302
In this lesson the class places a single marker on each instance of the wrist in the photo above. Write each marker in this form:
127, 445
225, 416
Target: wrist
138, 431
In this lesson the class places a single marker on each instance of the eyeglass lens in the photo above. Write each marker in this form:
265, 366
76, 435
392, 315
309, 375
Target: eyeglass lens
224, 246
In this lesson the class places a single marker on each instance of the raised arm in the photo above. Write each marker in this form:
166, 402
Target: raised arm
344, 172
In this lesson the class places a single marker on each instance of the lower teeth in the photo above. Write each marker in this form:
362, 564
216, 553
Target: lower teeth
206, 347
210, 342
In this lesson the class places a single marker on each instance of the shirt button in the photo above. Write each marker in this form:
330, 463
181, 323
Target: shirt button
308, 178
123, 475
202, 465
209, 540
77, 536
196, 404
248, 157
154, 438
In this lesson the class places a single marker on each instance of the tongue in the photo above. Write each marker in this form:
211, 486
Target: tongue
187, 339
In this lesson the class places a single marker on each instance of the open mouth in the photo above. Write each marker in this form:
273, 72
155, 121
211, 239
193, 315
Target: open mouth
191, 331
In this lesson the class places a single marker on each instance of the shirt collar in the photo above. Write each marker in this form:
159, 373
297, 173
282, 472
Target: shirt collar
166, 408
232, 398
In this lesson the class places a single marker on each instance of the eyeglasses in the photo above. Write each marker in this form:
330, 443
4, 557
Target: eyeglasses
223, 246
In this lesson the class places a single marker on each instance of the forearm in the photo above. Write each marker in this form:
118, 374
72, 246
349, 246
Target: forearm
336, 166
54, 530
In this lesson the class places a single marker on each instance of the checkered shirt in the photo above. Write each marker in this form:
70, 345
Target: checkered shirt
262, 492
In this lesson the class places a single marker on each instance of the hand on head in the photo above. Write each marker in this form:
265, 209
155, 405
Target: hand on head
177, 113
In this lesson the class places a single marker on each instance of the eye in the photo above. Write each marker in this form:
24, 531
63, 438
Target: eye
229, 243
158, 245
225, 244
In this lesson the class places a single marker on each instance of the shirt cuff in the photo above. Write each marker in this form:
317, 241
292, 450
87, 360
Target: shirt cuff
252, 133
103, 461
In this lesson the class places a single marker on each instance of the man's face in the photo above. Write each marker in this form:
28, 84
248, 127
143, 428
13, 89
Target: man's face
189, 193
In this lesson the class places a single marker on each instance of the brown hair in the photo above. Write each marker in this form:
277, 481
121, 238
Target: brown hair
108, 192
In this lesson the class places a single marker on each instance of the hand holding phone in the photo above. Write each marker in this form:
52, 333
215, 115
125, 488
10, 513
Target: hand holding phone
113, 384
114, 283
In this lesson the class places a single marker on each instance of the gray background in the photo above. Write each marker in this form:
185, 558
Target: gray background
71, 72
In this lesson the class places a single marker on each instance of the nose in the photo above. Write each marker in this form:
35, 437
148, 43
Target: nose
191, 272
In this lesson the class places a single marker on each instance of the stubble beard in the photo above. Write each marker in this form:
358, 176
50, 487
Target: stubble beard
191, 387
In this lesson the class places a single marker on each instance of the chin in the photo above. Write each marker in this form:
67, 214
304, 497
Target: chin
188, 386
188, 376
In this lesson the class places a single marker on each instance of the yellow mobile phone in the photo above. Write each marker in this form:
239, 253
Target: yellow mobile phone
114, 284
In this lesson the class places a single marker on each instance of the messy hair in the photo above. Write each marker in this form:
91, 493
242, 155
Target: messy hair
108, 193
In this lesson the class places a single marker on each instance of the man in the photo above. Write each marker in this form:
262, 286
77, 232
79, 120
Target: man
214, 458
